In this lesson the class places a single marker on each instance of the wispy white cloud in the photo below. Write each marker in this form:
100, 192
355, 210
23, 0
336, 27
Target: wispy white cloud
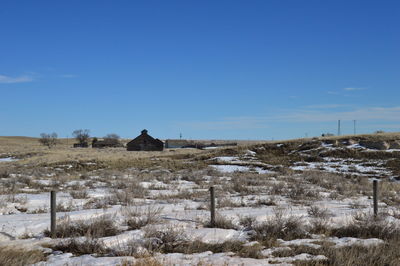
19, 79
353, 89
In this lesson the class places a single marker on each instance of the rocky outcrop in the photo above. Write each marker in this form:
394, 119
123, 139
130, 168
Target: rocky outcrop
377, 145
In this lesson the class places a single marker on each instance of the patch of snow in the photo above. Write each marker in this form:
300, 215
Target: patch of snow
69, 259
8, 159
216, 235
252, 153
239, 168
350, 241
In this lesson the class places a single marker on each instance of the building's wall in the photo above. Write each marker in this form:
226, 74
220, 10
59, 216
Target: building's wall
145, 143
171, 143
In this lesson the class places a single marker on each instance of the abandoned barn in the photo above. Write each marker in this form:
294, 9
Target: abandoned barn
145, 142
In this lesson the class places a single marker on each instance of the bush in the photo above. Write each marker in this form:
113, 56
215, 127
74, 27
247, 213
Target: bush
136, 217
286, 228
48, 140
165, 241
222, 222
78, 248
367, 226
97, 227
79, 194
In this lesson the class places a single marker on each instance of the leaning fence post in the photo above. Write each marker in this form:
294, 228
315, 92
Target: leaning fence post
375, 194
53, 207
212, 207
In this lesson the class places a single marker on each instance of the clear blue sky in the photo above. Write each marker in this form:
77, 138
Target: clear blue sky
209, 69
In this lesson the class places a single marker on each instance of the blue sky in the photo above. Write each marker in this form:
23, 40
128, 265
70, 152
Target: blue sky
271, 69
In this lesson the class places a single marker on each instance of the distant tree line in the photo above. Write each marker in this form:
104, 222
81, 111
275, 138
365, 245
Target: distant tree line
81, 135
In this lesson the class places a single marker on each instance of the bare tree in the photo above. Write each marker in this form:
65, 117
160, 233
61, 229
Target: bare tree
82, 136
48, 140
112, 138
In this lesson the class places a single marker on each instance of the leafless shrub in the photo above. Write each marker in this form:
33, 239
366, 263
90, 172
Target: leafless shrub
131, 248
227, 202
21, 199
136, 217
122, 197
174, 241
247, 222
62, 207
99, 203
195, 195
239, 187
383, 254
320, 226
318, 212
222, 222
79, 194
164, 241
97, 227
356, 205
39, 210
48, 140
265, 202
371, 255
147, 261
301, 192
82, 136
280, 226
236, 246
81, 247
366, 226
277, 188
295, 250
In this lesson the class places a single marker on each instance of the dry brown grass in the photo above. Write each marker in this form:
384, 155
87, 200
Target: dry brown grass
356, 255
136, 217
32, 153
148, 261
97, 227
11, 256
82, 247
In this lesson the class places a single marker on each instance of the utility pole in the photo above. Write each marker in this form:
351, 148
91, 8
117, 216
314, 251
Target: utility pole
180, 135
338, 129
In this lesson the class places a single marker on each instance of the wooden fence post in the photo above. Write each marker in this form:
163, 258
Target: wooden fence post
375, 194
53, 217
212, 207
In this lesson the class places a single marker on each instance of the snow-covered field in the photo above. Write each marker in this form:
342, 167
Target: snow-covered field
290, 210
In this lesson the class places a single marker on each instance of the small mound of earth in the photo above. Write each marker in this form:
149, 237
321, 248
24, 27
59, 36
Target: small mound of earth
377, 145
